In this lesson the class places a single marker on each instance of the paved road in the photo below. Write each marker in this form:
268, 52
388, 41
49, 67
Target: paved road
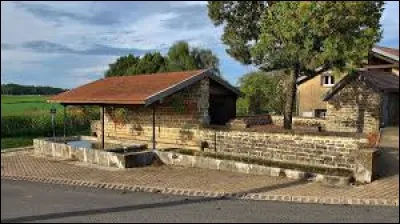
34, 202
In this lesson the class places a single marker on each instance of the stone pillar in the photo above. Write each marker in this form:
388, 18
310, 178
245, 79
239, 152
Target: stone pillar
203, 103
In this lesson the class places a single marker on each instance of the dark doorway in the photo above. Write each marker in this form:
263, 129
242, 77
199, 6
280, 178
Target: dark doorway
393, 109
222, 109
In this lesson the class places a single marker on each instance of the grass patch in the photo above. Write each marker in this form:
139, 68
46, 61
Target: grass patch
15, 142
263, 162
25, 105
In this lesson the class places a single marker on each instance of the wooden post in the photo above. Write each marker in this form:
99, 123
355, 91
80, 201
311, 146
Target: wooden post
154, 127
65, 122
102, 126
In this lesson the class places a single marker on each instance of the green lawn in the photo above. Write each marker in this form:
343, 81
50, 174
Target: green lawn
25, 104
15, 142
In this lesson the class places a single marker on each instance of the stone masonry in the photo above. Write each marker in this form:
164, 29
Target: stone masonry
301, 121
356, 108
326, 151
178, 119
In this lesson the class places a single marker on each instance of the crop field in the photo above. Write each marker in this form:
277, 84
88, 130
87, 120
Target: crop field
25, 105
26, 117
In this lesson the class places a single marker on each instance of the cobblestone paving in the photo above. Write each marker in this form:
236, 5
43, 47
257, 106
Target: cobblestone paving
26, 164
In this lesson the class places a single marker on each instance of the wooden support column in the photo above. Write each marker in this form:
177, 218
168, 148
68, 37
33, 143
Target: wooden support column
102, 126
65, 122
154, 127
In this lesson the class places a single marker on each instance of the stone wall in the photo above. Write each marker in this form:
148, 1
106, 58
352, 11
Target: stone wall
248, 121
355, 108
58, 149
318, 150
301, 121
178, 119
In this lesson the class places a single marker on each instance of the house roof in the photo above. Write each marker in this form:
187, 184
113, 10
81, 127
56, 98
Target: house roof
138, 89
391, 53
380, 81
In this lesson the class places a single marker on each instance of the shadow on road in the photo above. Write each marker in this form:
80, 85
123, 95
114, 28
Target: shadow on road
143, 206
388, 162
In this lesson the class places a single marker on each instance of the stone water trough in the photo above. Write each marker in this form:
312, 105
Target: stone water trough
88, 149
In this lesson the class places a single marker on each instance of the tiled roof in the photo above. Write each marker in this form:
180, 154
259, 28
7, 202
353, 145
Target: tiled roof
388, 50
391, 53
137, 89
376, 79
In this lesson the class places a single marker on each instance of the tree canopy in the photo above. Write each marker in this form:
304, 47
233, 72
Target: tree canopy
16, 89
305, 37
180, 57
263, 92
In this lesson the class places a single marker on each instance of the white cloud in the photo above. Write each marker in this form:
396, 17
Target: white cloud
181, 4
144, 26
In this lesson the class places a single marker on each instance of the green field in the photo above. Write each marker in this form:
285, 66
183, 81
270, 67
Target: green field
24, 118
25, 105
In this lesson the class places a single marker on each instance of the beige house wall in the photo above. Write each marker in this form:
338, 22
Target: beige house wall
310, 97
395, 71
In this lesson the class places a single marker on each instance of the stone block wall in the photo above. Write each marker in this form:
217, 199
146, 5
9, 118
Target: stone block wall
178, 119
248, 121
313, 150
356, 108
301, 121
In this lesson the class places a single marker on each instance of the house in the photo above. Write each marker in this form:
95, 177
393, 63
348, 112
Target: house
311, 92
162, 105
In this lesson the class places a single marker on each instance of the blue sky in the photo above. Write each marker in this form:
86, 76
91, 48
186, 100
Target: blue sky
67, 44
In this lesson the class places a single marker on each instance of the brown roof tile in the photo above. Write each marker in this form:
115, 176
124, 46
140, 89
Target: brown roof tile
378, 80
392, 51
124, 89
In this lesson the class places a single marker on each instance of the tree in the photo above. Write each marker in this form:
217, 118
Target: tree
241, 25
120, 67
263, 92
179, 58
204, 58
149, 63
307, 38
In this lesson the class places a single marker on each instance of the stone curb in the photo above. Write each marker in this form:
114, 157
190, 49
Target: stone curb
209, 194
9, 150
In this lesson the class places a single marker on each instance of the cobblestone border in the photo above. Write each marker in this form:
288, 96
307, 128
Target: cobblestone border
188, 192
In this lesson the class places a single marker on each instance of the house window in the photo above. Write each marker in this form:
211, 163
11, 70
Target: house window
327, 80
321, 113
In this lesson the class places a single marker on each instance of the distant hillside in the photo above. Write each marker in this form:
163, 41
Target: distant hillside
15, 89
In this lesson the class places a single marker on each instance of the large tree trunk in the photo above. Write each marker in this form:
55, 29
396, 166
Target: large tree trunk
290, 98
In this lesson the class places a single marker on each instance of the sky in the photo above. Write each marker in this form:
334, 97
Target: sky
67, 44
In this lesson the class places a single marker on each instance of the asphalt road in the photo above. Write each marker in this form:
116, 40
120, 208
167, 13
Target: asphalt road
34, 202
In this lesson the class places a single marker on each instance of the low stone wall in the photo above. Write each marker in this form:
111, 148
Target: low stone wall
248, 121
301, 121
56, 148
312, 150
336, 150
173, 158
